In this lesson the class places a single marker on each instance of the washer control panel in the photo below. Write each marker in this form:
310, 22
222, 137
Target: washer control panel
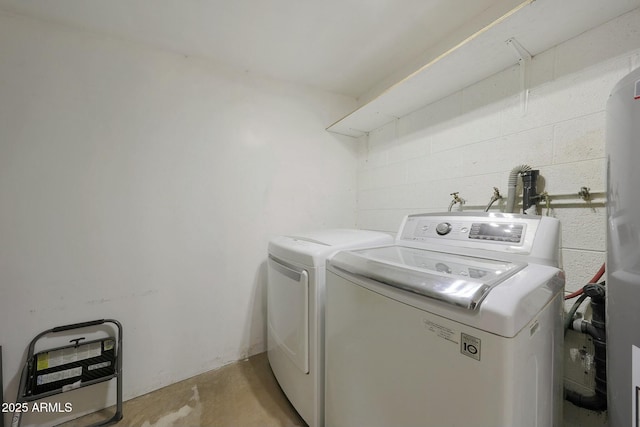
508, 232
443, 228
501, 232
497, 232
468, 232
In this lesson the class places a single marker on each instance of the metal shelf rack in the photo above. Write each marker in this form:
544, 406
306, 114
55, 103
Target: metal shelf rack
81, 364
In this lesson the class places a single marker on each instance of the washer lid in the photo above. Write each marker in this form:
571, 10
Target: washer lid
459, 280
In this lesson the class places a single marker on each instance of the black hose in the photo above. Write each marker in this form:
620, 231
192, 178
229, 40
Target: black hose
596, 329
529, 192
593, 403
570, 315
599, 334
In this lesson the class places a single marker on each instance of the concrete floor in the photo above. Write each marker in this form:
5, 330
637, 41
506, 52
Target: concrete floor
243, 394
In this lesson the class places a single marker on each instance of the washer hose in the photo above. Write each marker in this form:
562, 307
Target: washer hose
511, 186
594, 279
568, 320
496, 196
596, 329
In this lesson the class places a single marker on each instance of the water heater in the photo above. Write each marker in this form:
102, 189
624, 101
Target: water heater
623, 252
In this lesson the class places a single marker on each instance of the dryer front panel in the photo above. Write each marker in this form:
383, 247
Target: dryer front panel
288, 311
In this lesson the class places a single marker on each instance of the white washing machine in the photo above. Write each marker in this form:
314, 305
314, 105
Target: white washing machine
295, 311
457, 324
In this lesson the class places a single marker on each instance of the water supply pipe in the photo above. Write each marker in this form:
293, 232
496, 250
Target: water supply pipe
456, 199
511, 186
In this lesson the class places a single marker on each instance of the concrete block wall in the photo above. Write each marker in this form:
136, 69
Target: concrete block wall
469, 142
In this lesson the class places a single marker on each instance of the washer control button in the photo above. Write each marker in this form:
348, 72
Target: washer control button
443, 228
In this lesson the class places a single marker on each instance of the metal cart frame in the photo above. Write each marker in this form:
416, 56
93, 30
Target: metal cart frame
29, 371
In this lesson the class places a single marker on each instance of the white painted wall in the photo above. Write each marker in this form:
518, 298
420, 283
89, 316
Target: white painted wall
142, 185
469, 141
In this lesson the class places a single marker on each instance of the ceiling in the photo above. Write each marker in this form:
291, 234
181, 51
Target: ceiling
342, 46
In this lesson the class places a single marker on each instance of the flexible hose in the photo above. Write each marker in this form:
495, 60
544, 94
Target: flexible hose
594, 279
596, 329
495, 197
511, 186
491, 202
568, 320
593, 403
569, 317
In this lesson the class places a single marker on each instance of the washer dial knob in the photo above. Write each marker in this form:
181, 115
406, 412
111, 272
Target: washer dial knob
443, 228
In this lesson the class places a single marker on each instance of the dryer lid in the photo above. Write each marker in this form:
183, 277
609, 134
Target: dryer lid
341, 237
460, 280
313, 247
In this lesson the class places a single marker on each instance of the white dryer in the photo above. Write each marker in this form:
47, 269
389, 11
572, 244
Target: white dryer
457, 324
295, 311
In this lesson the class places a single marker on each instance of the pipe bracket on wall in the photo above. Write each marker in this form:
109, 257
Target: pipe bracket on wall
585, 194
524, 60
